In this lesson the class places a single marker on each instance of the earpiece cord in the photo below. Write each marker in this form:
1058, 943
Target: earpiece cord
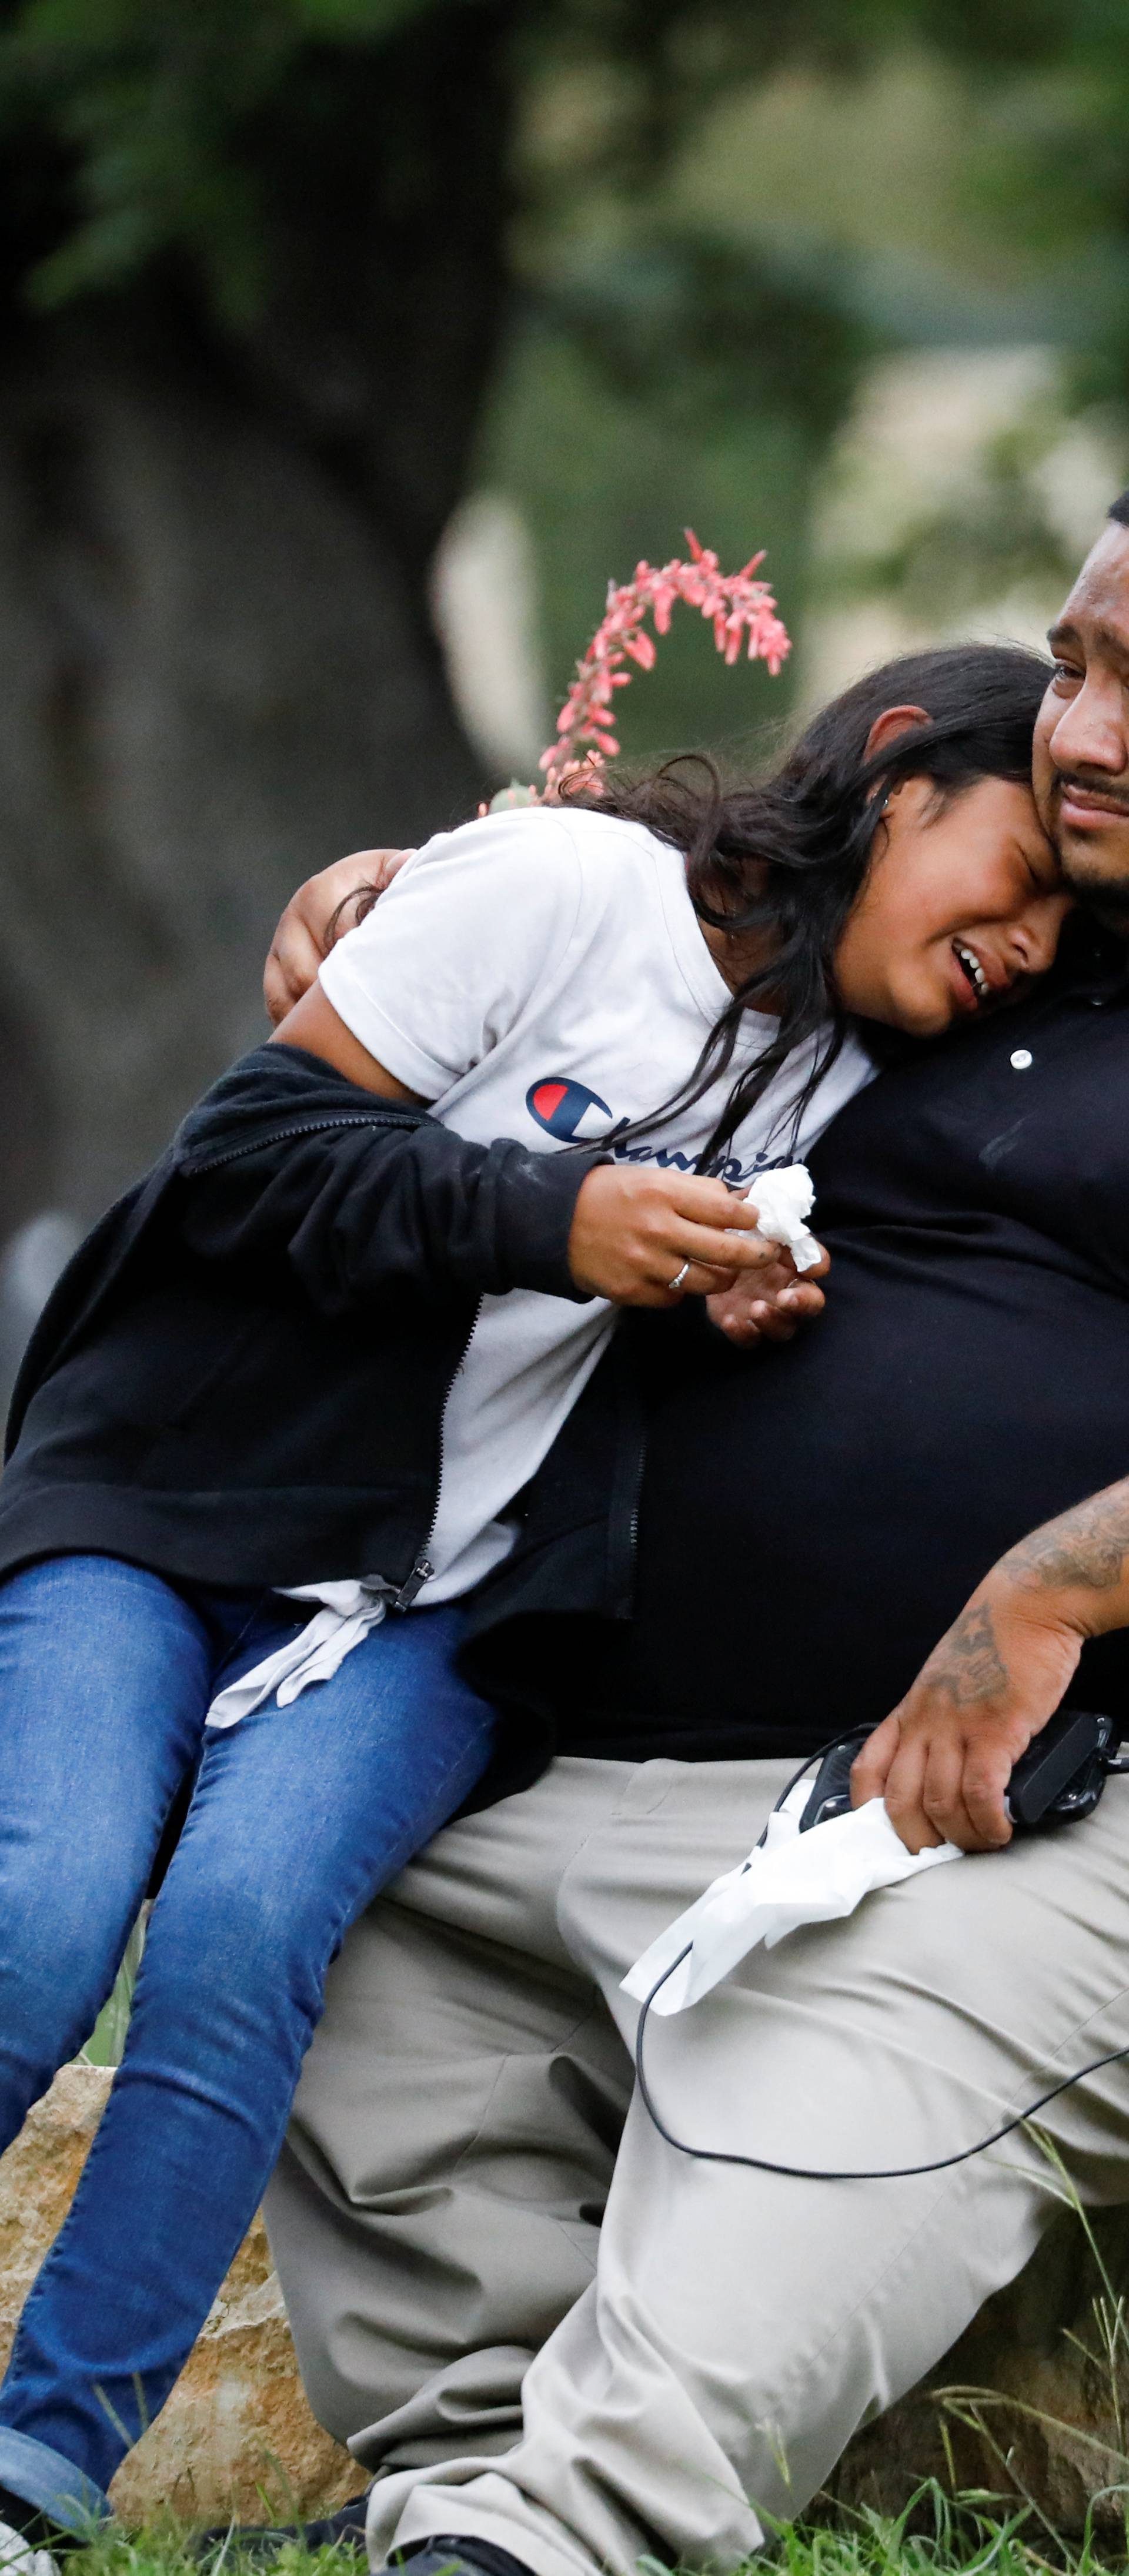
824, 2173
821, 1751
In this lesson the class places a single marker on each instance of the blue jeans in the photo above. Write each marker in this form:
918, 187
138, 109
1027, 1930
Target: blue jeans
298, 1816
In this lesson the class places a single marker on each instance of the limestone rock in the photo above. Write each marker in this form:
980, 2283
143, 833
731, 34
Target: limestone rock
236, 2437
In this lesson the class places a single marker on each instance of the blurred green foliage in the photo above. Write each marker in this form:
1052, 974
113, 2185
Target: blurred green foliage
721, 209
150, 103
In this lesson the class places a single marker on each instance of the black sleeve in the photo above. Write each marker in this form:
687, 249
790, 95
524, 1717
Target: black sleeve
390, 1204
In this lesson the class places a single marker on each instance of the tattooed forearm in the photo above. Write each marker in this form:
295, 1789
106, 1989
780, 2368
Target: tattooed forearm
1088, 1546
967, 1664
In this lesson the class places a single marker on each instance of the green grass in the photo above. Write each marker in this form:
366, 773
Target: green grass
166, 2550
973, 2535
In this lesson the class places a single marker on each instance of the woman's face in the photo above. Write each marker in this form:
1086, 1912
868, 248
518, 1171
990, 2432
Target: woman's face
962, 900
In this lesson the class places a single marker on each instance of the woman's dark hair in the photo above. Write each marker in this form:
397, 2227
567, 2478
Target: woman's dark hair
789, 856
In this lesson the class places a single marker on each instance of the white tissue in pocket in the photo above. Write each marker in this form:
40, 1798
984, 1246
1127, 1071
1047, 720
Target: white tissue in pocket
788, 1880
784, 1202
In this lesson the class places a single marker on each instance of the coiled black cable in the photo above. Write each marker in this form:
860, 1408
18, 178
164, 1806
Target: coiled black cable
825, 2173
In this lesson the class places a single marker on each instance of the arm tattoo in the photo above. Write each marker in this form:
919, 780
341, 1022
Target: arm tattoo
1087, 1546
967, 1664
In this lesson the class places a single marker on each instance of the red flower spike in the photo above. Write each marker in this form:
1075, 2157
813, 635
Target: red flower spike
737, 606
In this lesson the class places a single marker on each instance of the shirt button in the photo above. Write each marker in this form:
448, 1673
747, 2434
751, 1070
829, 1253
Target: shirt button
1021, 1058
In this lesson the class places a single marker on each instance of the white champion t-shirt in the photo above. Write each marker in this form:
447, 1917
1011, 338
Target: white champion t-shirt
541, 974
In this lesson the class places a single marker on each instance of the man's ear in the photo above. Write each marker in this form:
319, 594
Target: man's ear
890, 724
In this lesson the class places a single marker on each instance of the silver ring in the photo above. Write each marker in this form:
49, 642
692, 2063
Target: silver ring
681, 1275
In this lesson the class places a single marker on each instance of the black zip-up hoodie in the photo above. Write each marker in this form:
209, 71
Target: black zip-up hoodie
240, 1378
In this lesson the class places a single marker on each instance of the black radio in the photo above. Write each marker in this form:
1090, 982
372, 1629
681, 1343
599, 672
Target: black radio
1057, 1781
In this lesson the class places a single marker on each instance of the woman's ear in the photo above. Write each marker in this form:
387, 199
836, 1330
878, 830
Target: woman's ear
889, 725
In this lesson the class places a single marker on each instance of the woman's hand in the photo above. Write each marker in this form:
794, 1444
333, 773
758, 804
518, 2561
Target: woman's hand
944, 1757
314, 919
769, 1305
633, 1229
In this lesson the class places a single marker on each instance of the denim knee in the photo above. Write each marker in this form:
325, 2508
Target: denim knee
57, 1966
231, 1971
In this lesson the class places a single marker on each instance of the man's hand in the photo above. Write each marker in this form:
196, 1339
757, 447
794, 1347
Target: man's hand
769, 1305
322, 909
633, 1229
944, 1758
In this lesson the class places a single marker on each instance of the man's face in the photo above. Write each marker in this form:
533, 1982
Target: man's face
1080, 761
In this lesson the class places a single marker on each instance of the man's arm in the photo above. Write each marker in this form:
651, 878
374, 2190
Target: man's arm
767, 1307
943, 1758
321, 911
632, 1232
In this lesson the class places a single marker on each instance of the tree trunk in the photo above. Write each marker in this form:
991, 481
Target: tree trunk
212, 597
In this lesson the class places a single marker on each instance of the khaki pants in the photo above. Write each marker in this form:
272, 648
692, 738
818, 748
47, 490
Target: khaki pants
586, 2393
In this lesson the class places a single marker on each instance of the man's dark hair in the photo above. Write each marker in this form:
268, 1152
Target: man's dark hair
789, 854
1119, 510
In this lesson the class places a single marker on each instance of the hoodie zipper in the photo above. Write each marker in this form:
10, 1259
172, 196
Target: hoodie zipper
626, 1489
423, 1568
626, 1554
283, 1136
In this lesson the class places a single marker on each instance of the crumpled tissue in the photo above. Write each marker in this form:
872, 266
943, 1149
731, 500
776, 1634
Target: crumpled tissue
784, 1201
789, 1879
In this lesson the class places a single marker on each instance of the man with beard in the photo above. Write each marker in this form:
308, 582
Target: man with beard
563, 2344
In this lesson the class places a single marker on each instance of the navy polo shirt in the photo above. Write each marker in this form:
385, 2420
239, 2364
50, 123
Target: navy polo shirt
812, 1517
